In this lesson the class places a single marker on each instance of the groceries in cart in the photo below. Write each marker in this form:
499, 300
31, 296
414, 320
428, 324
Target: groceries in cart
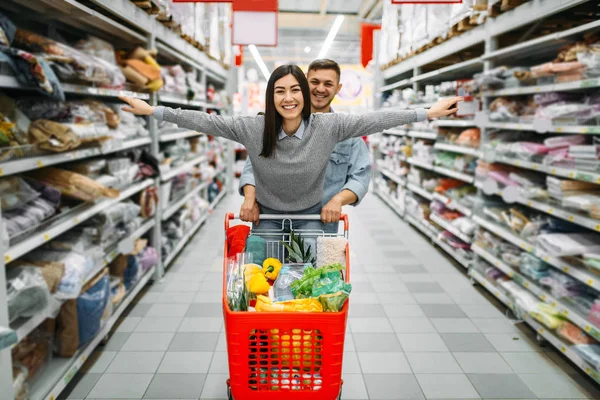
300, 282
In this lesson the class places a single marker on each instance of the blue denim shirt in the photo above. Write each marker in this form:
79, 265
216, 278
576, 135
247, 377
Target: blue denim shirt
349, 168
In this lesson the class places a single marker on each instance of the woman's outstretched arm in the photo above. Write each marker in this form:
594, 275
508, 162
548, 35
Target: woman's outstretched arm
374, 122
237, 129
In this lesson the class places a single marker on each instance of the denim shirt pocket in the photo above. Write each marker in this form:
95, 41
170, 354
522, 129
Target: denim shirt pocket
337, 169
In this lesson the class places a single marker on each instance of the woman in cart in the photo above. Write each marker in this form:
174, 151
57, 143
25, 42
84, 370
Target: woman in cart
290, 148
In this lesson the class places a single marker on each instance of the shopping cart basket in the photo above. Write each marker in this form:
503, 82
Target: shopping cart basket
285, 355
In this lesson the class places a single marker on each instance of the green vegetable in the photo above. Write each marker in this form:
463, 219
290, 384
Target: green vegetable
303, 287
296, 251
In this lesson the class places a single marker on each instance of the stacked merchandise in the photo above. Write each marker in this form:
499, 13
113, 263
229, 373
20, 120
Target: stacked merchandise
178, 81
469, 138
181, 223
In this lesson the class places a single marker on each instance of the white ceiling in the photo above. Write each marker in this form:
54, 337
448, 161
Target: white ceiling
306, 23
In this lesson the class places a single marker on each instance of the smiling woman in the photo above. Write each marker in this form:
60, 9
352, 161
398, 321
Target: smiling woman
290, 148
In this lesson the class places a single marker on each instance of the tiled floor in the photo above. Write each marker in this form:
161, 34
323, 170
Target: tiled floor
417, 329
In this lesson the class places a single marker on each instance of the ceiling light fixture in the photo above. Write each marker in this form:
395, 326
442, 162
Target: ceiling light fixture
261, 64
331, 36
307, 49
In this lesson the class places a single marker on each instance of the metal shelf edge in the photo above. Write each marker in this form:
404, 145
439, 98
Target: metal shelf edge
182, 168
172, 208
185, 239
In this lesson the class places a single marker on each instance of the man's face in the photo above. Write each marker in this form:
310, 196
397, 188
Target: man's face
324, 85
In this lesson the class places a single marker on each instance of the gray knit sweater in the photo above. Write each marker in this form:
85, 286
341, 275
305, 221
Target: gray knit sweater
292, 178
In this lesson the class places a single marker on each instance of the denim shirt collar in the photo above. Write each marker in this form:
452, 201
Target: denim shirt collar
298, 135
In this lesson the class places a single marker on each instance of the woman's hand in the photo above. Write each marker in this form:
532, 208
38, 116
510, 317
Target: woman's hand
250, 211
331, 211
444, 107
136, 106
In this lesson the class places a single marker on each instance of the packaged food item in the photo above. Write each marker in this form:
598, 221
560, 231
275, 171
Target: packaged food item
288, 274
574, 334
265, 304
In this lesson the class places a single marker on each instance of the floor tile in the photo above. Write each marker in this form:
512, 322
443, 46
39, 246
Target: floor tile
454, 325
410, 269
509, 342
364, 298
483, 310
424, 287
447, 386
116, 341
354, 387
412, 325
368, 325
433, 298
175, 298
176, 386
84, 385
219, 363
135, 362
396, 298
443, 311
500, 386
139, 310
367, 311
531, 363
214, 387
393, 386
203, 310
167, 310
99, 361
482, 363
148, 297
422, 342
374, 342
222, 343
121, 386
350, 363
208, 298
128, 324
383, 363
424, 277
159, 324
467, 342
552, 386
208, 324
403, 310
433, 363
148, 342
182, 287
468, 297
495, 325
194, 341
390, 287
177, 362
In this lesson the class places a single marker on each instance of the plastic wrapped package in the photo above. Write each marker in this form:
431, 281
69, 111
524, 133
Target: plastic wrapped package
148, 258
77, 267
33, 352
15, 192
27, 292
117, 291
20, 387
237, 295
590, 353
73, 185
546, 315
93, 308
98, 48
574, 334
533, 267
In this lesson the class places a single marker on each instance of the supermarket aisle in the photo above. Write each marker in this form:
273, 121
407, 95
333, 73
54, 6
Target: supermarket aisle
417, 329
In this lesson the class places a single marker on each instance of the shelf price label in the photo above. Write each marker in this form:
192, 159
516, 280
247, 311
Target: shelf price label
590, 282
7, 258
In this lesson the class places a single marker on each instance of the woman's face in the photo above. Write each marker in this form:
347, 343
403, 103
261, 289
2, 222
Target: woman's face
289, 102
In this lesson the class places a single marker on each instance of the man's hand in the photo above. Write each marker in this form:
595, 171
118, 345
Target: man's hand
136, 106
444, 107
250, 211
332, 211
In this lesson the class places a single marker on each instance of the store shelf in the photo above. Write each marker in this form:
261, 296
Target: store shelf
213, 106
433, 235
561, 308
556, 87
545, 128
185, 239
450, 228
185, 167
217, 200
57, 375
387, 199
30, 163
453, 204
490, 287
71, 221
581, 274
461, 68
423, 135
179, 100
169, 137
420, 191
172, 208
420, 164
455, 174
457, 149
396, 132
399, 180
578, 175
455, 123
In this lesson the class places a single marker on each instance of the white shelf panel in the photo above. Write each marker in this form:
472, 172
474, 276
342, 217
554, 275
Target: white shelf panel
457, 149
420, 164
399, 180
57, 375
556, 87
562, 213
453, 204
185, 239
180, 100
172, 208
396, 132
455, 123
64, 225
390, 202
214, 106
490, 287
579, 175
569, 129
396, 85
170, 174
217, 200
461, 66
450, 228
423, 135
179, 135
30, 163
455, 174
420, 191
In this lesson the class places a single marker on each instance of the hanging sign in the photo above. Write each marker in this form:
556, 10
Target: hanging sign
426, 1
366, 42
255, 22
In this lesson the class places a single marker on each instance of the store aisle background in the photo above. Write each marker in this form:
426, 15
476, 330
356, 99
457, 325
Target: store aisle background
417, 328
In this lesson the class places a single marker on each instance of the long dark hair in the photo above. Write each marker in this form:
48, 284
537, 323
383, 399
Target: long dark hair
274, 120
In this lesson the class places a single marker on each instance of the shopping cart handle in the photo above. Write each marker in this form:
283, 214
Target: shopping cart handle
298, 217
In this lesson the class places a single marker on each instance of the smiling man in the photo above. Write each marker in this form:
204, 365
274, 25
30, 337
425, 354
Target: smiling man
349, 169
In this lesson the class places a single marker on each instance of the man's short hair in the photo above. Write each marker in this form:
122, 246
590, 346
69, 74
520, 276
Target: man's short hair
325, 63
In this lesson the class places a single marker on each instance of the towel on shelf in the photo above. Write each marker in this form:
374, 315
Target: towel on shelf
569, 244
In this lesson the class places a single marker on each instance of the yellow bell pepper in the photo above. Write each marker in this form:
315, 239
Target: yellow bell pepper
250, 270
271, 268
258, 284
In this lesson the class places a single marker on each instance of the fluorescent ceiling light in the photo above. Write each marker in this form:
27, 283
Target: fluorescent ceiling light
261, 64
307, 49
331, 36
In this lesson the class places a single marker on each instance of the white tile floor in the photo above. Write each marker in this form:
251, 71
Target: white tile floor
417, 329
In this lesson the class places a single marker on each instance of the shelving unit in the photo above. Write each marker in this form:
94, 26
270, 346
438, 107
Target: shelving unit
124, 24
498, 41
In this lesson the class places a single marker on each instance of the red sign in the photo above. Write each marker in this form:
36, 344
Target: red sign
256, 5
366, 42
426, 1
239, 55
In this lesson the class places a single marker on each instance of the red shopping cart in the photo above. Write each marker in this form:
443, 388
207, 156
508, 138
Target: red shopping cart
285, 355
